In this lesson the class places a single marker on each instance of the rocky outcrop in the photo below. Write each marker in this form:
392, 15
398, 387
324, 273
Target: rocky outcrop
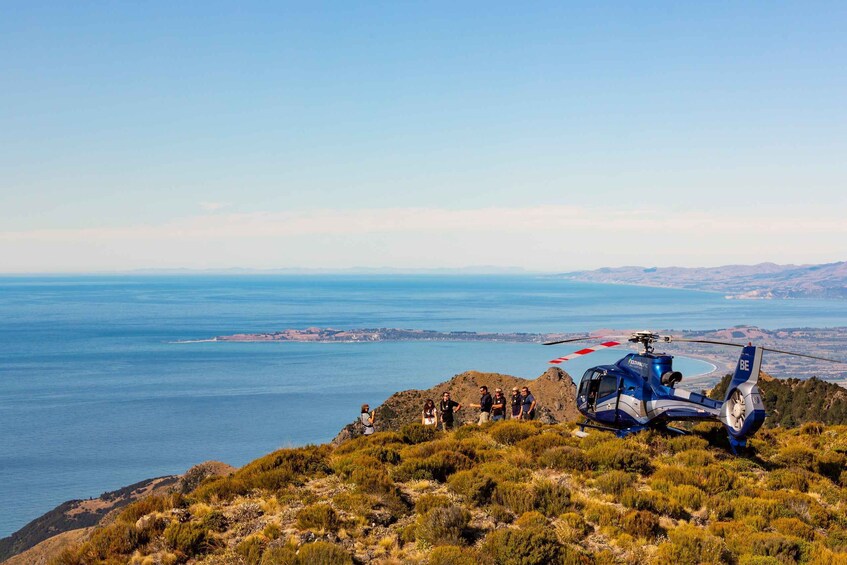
554, 391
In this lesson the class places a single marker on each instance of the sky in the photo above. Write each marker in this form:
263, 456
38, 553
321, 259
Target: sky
331, 135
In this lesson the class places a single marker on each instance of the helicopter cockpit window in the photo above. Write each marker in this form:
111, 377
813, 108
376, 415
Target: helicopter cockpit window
608, 385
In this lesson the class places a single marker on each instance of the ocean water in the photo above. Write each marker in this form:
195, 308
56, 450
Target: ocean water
95, 394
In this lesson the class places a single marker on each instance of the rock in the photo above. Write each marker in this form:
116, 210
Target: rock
554, 392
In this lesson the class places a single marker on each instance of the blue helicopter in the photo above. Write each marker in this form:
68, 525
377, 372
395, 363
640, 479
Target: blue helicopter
639, 391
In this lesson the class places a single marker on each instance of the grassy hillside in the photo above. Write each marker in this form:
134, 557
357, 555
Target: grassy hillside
508, 492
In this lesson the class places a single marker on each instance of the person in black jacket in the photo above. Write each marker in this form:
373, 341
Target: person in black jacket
448, 408
515, 402
485, 403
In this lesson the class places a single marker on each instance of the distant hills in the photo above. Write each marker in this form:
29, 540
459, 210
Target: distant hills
762, 281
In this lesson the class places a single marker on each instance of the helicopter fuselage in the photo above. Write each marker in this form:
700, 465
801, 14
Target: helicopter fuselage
638, 392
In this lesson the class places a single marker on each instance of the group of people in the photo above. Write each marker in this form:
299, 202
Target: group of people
520, 406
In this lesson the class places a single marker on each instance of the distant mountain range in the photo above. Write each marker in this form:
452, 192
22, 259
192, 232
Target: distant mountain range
762, 281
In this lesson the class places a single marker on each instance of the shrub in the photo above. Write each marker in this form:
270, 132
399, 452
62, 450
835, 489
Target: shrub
686, 442
812, 428
188, 538
430, 501
116, 539
220, 488
515, 496
652, 501
323, 553
511, 432
788, 479
251, 549
215, 521
794, 527
689, 544
571, 528
452, 555
500, 514
786, 549
279, 556
536, 445
695, 458
796, 456
564, 458
503, 471
417, 433
436, 467
688, 496
318, 517
472, 485
443, 526
551, 499
641, 524
520, 547
601, 514
610, 455
614, 482
830, 465
530, 520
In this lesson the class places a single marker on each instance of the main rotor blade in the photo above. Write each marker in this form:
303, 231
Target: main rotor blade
803, 355
585, 351
672, 339
568, 340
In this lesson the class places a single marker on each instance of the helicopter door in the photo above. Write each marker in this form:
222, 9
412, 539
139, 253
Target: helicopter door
606, 403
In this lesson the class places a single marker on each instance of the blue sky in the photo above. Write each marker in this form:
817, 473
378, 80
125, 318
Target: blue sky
548, 136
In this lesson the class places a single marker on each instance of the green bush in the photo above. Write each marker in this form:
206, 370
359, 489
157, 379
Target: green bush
565, 458
641, 524
520, 547
614, 482
786, 549
279, 556
251, 549
796, 456
503, 471
511, 432
452, 555
430, 501
323, 553
551, 499
215, 521
571, 528
474, 486
688, 496
437, 467
417, 433
443, 526
652, 501
601, 514
516, 497
536, 445
318, 517
689, 544
686, 442
531, 520
611, 455
188, 538
791, 479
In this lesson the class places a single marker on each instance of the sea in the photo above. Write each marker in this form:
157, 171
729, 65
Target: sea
106, 380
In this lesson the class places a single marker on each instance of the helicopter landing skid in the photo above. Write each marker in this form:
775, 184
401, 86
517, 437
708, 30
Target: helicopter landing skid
620, 432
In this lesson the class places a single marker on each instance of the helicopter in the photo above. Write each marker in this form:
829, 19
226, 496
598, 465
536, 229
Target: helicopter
639, 391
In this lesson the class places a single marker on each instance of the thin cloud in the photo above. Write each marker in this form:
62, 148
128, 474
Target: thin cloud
551, 220
214, 206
